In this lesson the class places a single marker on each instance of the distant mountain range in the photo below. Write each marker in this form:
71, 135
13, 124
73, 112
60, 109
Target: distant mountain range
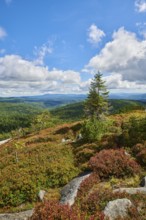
129, 96
54, 100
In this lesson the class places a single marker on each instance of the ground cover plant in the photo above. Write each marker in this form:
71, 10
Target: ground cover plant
34, 163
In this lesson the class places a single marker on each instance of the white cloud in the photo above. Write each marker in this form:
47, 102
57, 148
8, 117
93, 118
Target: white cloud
124, 59
116, 81
95, 34
22, 77
42, 52
140, 5
141, 28
3, 33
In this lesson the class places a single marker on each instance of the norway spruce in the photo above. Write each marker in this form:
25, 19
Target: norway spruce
96, 104
96, 108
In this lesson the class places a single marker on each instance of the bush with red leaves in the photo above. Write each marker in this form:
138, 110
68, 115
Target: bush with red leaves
115, 163
86, 186
52, 210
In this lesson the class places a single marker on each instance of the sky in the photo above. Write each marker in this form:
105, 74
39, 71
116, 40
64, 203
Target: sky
56, 46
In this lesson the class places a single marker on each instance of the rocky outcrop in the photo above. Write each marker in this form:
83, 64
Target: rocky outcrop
117, 208
69, 192
17, 216
131, 190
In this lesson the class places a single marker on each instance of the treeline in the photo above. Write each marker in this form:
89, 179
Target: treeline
75, 111
16, 115
21, 115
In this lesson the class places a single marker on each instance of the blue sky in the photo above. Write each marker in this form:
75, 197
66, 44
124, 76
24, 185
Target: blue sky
52, 46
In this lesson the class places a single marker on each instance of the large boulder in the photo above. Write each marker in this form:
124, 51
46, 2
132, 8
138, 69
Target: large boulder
69, 191
117, 208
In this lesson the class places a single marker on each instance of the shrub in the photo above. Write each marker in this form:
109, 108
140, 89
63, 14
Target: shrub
86, 186
133, 131
36, 167
94, 129
115, 163
52, 210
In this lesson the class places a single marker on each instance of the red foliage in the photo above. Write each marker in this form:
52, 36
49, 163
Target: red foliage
86, 186
116, 163
52, 210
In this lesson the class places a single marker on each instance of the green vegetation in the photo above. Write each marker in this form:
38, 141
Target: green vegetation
17, 115
123, 106
96, 104
70, 112
93, 130
75, 111
45, 154
41, 162
96, 109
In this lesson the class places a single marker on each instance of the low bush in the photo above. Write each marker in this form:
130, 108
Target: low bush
52, 210
86, 186
31, 169
115, 163
94, 129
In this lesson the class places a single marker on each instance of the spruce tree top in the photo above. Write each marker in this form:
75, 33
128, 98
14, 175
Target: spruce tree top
96, 104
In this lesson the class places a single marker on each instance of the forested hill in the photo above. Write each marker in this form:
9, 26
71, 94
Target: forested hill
75, 111
14, 115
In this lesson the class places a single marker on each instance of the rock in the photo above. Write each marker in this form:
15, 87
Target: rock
143, 182
16, 216
79, 137
127, 154
41, 195
132, 190
66, 140
117, 208
5, 141
69, 192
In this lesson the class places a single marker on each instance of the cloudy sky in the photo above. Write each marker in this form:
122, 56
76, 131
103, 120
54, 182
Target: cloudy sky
56, 46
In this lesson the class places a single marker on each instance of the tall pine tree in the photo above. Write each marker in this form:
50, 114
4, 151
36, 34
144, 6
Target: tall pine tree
96, 104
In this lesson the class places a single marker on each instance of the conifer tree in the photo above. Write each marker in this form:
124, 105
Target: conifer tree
96, 104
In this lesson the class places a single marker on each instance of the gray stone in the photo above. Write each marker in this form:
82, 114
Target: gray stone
79, 137
66, 140
143, 182
69, 191
117, 208
132, 190
5, 141
41, 195
16, 216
